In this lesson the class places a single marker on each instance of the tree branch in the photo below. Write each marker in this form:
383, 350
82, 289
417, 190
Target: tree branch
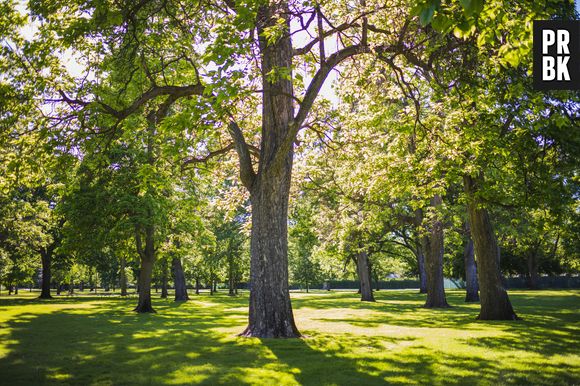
247, 173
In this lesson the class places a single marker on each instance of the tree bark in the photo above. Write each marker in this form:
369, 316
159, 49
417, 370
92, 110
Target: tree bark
123, 277
146, 272
362, 266
164, 274
422, 272
495, 303
46, 257
434, 260
420, 250
197, 285
231, 276
471, 284
179, 280
270, 313
533, 278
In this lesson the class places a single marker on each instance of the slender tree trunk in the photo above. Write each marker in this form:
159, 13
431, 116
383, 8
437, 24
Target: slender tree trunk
533, 278
420, 251
123, 277
46, 257
362, 266
179, 280
197, 285
146, 272
164, 274
82, 286
471, 284
434, 260
16, 289
422, 272
495, 303
231, 276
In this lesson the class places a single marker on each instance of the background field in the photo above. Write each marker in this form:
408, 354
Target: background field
99, 341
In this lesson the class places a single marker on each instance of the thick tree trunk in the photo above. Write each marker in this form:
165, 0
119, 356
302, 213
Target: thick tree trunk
422, 272
270, 313
46, 274
434, 260
123, 277
179, 280
471, 285
146, 272
164, 274
495, 303
270, 309
362, 267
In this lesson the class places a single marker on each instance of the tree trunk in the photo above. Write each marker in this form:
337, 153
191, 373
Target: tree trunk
145, 273
471, 285
270, 314
420, 252
16, 289
123, 277
164, 274
231, 276
533, 278
270, 309
58, 288
434, 260
495, 303
179, 280
362, 267
197, 285
46, 256
422, 272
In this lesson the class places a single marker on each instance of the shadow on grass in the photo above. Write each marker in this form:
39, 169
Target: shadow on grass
104, 343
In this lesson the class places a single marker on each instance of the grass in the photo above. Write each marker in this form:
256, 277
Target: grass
98, 341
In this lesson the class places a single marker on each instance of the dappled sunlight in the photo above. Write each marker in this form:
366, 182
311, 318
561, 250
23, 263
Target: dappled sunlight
395, 340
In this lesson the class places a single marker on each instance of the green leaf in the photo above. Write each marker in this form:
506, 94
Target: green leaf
472, 7
442, 23
427, 11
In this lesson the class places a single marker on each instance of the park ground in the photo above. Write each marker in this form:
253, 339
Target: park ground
98, 340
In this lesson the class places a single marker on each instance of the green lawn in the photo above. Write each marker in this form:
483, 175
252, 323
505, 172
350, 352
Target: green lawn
99, 341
